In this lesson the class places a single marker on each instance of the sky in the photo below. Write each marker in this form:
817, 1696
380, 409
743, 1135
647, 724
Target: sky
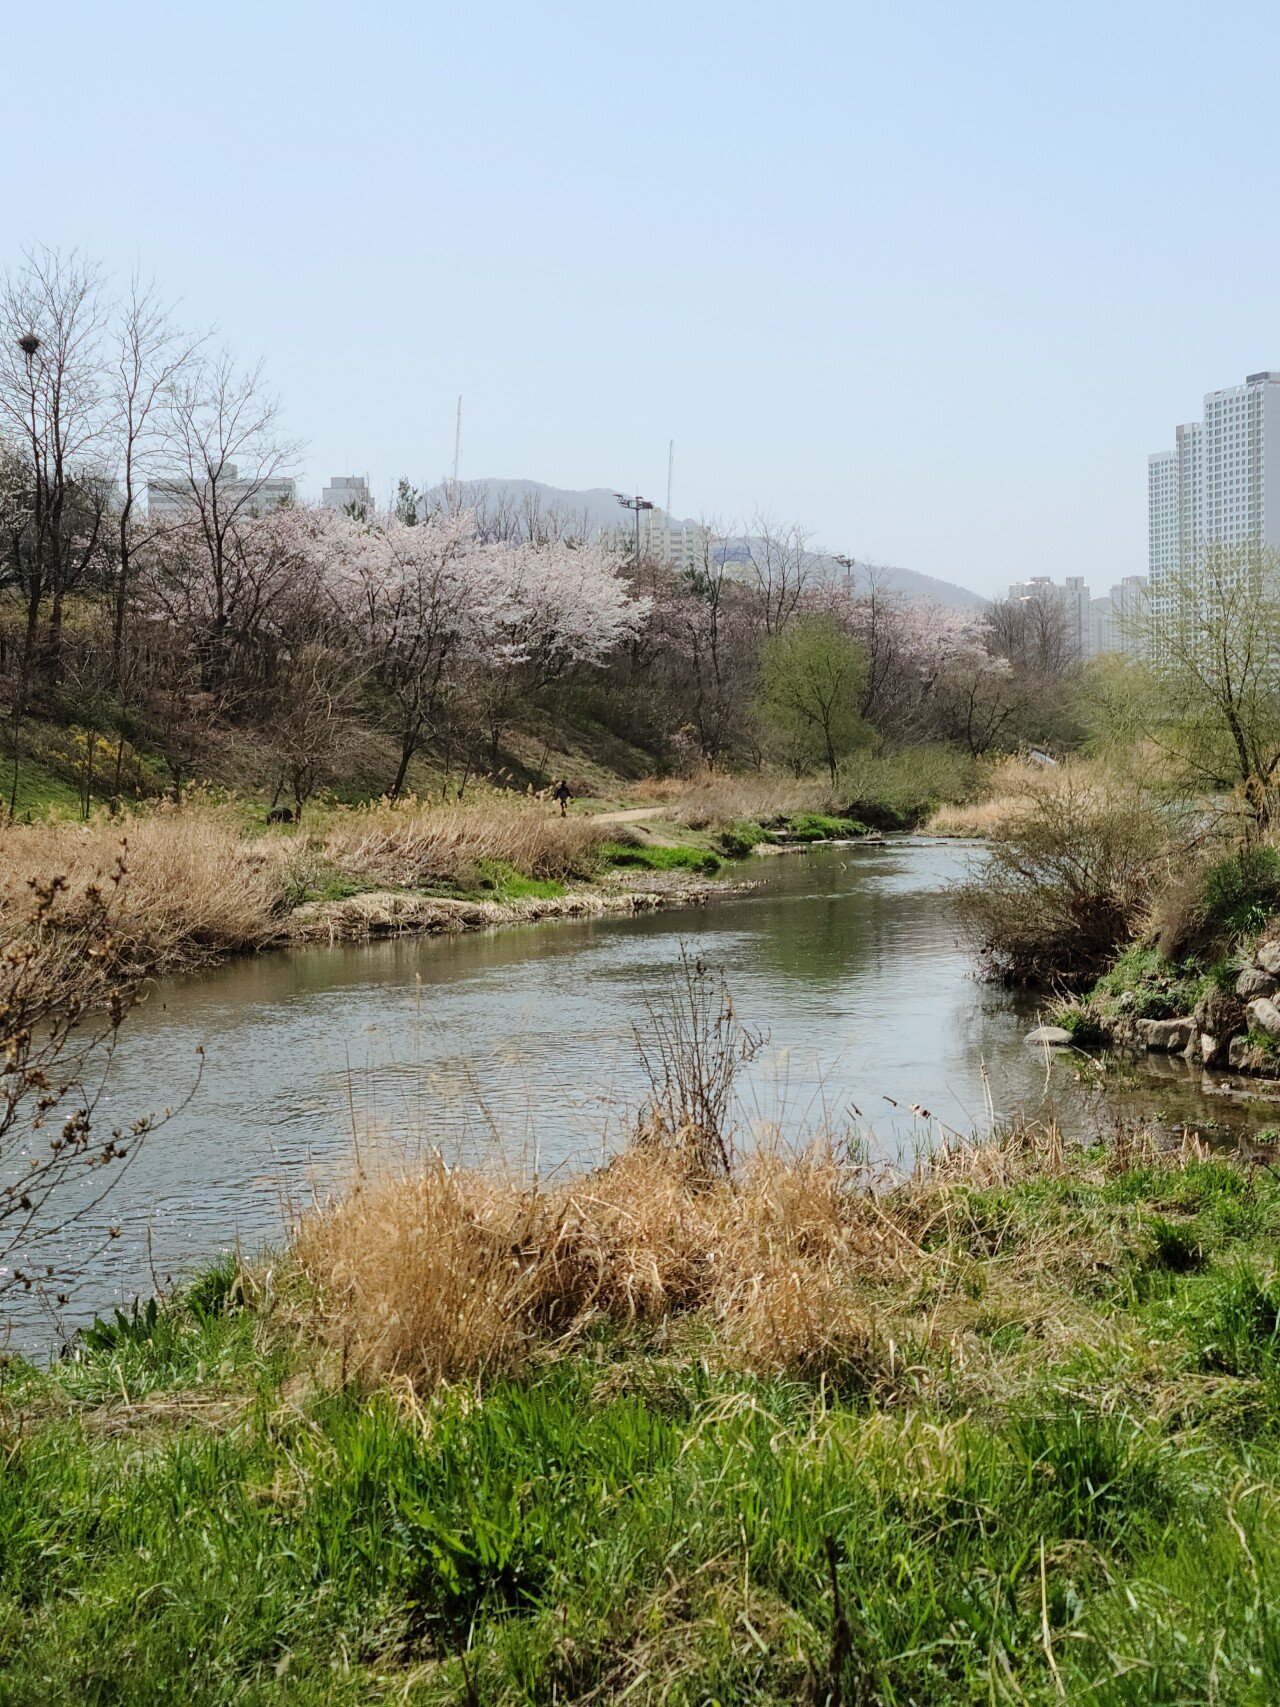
931, 279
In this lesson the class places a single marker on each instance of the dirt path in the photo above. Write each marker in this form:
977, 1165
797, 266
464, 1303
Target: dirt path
634, 815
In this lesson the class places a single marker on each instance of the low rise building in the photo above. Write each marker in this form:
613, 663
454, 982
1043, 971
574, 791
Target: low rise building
349, 492
177, 498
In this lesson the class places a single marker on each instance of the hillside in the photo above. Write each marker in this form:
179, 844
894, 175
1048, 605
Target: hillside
598, 507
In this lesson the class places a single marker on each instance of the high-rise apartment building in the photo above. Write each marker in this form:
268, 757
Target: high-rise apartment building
1163, 532
1092, 625
1117, 618
1190, 458
1220, 485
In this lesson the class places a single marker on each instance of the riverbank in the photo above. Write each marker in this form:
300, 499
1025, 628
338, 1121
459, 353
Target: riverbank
1003, 1430
188, 888
367, 916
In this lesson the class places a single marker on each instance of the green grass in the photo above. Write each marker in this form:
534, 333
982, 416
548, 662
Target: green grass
1069, 1487
41, 793
652, 857
819, 827
499, 881
1242, 892
1147, 986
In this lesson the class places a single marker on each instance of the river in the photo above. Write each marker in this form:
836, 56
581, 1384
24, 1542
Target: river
516, 1047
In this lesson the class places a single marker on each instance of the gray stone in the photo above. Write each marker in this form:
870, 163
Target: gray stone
1169, 1035
1254, 982
1210, 1048
1056, 1036
1268, 957
1266, 1016
1244, 1057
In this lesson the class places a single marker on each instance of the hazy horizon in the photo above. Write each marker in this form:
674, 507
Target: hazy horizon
933, 283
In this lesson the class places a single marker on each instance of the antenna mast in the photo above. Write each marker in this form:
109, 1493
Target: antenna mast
457, 451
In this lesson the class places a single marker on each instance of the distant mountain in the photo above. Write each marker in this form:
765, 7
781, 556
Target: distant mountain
911, 584
597, 508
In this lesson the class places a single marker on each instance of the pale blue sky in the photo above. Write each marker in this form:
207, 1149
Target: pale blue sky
934, 278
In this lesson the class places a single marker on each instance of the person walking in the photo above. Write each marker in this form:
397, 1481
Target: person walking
562, 793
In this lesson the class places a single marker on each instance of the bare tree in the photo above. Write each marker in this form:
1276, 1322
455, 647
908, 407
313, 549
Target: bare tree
782, 566
147, 362
1214, 639
315, 696
712, 649
223, 447
1033, 633
52, 406
981, 697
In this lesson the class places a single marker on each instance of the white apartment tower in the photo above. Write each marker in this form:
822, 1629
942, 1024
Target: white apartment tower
1117, 618
1190, 456
1221, 484
1163, 533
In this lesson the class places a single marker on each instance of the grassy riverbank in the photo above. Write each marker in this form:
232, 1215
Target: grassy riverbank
1008, 1431
211, 879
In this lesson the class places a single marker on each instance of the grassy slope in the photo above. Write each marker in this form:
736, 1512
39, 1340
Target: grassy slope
1040, 1489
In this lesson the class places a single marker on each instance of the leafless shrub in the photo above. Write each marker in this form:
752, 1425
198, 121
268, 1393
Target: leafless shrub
1072, 873
691, 1046
65, 990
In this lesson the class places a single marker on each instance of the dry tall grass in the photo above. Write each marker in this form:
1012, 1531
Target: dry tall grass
450, 1273
711, 799
407, 843
793, 1261
193, 887
1010, 789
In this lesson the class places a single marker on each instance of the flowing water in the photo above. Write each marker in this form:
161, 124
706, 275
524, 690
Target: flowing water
518, 1046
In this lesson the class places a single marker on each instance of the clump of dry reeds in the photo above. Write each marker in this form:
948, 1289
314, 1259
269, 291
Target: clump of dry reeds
452, 1272
1012, 786
412, 844
192, 886
795, 1260
455, 1272
714, 799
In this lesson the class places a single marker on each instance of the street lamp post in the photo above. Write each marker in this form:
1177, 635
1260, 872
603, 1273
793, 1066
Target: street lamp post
637, 504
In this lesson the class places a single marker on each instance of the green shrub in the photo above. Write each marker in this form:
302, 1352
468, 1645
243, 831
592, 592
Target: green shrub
821, 827
1242, 892
899, 789
1151, 986
1083, 1023
739, 840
